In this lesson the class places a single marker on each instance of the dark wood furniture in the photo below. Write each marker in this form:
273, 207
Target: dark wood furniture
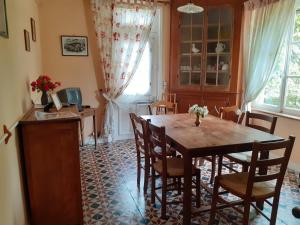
268, 125
230, 113
199, 71
251, 186
87, 112
51, 165
166, 168
213, 137
142, 150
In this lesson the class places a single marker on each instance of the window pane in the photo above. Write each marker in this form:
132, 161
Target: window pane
294, 67
271, 93
296, 36
140, 83
292, 99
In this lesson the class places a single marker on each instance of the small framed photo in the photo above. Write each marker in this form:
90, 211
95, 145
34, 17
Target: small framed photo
3, 20
27, 40
33, 29
74, 45
56, 101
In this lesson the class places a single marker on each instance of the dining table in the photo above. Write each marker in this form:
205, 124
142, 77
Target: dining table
213, 136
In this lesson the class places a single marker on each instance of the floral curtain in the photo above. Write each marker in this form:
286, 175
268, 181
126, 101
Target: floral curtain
122, 30
266, 24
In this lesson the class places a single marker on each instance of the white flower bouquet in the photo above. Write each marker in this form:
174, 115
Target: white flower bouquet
198, 110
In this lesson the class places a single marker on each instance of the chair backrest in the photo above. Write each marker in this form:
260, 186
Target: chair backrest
262, 118
232, 113
140, 134
281, 162
157, 144
169, 97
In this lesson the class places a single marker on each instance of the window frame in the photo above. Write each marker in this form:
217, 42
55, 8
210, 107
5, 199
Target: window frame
281, 108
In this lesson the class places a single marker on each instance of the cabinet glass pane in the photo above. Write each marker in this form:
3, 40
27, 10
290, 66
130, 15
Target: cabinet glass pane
211, 47
223, 78
197, 19
226, 15
185, 63
185, 48
196, 63
211, 78
212, 32
211, 63
213, 16
186, 19
184, 78
185, 33
225, 32
197, 34
195, 78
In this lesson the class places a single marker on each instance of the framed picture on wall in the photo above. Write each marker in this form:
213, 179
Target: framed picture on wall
27, 40
33, 30
74, 45
3, 20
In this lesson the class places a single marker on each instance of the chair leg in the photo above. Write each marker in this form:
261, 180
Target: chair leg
274, 210
179, 186
164, 199
198, 190
138, 180
146, 176
220, 165
152, 185
245, 168
246, 213
214, 203
213, 169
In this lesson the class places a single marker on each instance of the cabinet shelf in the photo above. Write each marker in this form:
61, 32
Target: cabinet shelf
191, 54
215, 54
191, 26
219, 40
192, 41
219, 71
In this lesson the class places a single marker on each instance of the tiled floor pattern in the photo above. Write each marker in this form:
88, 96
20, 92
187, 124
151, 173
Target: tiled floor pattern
110, 195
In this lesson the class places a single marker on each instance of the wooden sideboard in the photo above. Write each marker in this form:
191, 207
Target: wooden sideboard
51, 166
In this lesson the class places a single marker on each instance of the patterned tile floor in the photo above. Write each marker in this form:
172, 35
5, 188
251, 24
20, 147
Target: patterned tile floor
110, 195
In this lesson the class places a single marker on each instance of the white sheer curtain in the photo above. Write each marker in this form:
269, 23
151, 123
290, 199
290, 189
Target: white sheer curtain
266, 22
123, 31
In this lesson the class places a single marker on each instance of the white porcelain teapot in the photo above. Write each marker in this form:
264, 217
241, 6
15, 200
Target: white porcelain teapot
220, 47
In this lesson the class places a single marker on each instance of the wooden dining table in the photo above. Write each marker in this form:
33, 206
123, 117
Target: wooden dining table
213, 137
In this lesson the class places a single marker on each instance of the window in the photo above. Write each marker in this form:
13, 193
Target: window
282, 92
140, 84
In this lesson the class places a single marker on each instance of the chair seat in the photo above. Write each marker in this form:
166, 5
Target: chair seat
175, 167
237, 183
242, 157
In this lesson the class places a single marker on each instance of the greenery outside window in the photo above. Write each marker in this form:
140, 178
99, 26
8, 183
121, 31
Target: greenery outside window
282, 92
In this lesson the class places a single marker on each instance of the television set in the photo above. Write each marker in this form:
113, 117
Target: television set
71, 96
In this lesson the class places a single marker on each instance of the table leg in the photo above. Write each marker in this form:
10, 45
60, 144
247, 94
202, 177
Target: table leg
95, 129
187, 203
81, 131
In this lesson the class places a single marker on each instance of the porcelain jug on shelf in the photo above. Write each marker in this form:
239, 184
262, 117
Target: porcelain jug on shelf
220, 47
194, 49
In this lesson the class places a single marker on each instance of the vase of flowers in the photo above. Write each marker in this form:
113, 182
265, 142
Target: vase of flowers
44, 84
199, 112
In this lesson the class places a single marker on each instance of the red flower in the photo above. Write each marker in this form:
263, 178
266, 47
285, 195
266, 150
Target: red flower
44, 83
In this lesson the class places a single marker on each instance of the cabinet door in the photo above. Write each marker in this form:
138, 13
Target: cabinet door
190, 50
219, 36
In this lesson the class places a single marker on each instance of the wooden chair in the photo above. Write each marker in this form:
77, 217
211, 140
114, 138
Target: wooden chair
170, 98
234, 114
142, 149
166, 168
245, 157
251, 186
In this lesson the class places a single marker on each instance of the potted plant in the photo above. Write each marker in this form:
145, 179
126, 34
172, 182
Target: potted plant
198, 111
44, 84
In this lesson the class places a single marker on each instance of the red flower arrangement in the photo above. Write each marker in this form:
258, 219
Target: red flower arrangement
44, 84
